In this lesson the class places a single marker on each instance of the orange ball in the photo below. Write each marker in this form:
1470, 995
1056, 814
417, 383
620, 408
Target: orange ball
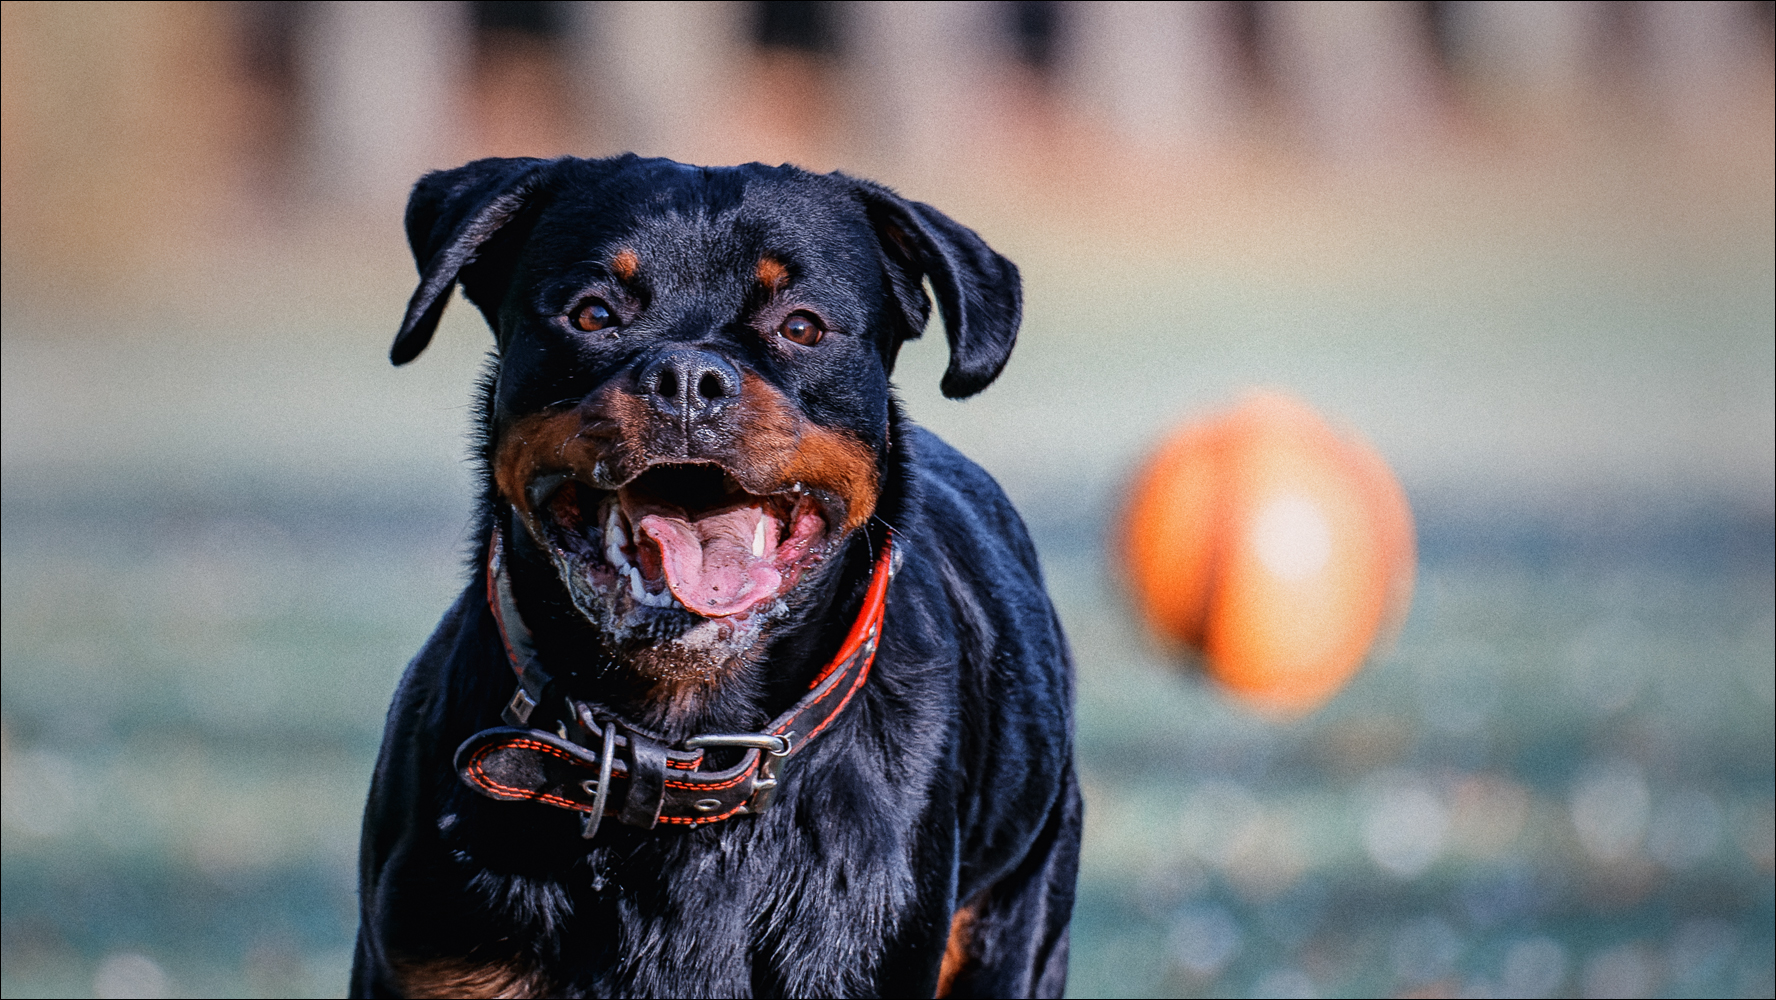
1273, 546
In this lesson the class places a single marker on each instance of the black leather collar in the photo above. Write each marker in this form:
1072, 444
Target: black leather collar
598, 763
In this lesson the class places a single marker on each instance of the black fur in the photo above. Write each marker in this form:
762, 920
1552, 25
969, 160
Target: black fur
948, 781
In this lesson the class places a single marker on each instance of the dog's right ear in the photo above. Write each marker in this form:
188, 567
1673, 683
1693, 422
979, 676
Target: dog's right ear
450, 215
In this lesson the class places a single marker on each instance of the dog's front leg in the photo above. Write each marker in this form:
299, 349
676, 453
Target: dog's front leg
1011, 939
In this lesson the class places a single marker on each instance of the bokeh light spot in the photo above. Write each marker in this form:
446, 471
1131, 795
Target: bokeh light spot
1404, 827
130, 976
1609, 811
1292, 538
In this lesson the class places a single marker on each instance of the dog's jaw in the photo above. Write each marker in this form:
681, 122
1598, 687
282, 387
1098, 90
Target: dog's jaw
681, 571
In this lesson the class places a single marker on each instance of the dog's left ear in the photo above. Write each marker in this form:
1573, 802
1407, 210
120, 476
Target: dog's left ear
450, 215
978, 291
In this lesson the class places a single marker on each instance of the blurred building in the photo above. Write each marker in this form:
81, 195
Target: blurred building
132, 129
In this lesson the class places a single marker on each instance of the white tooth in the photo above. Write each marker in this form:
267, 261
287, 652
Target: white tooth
636, 589
614, 539
758, 539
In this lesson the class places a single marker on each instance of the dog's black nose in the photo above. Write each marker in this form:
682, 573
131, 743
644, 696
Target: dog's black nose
689, 382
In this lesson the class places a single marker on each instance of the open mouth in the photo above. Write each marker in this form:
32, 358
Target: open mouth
679, 538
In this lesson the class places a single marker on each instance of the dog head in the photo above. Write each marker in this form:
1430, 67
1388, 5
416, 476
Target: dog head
689, 408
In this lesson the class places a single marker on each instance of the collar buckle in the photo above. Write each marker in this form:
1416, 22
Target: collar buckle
764, 780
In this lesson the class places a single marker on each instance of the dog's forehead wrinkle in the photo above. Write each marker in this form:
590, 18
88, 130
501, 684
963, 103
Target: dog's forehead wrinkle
711, 253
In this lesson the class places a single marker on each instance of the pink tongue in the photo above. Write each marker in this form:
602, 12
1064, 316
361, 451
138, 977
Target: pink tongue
709, 563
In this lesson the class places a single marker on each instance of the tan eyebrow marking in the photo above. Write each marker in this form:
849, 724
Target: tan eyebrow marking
624, 264
772, 273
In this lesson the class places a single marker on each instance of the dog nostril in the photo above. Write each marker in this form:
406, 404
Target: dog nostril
689, 381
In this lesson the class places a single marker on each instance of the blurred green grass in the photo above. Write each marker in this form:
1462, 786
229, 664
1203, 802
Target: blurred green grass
222, 540
191, 709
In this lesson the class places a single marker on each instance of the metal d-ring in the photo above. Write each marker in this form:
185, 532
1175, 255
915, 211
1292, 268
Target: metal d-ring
589, 821
777, 745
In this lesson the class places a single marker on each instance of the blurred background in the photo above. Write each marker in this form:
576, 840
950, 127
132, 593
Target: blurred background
1524, 249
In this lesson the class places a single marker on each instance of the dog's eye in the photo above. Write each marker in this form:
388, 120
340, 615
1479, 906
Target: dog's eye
802, 329
593, 314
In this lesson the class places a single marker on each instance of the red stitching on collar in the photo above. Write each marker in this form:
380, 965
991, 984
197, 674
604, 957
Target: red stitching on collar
714, 786
529, 794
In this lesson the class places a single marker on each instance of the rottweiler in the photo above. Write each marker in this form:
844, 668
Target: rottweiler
754, 689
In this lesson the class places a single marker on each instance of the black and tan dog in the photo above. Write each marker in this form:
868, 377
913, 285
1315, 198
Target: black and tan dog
755, 690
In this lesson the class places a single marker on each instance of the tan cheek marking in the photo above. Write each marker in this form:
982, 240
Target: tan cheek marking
529, 445
606, 429
456, 978
772, 273
783, 447
841, 464
625, 264
956, 951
